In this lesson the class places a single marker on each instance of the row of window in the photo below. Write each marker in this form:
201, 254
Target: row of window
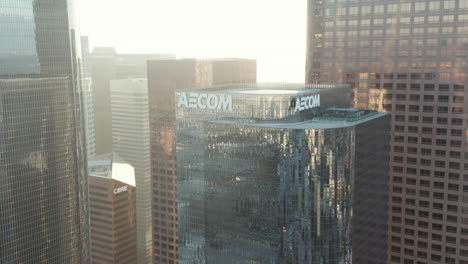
375, 62
429, 130
415, 43
427, 173
429, 120
423, 234
424, 173
424, 214
426, 98
417, 108
429, 141
427, 162
436, 184
424, 6
392, 21
395, 31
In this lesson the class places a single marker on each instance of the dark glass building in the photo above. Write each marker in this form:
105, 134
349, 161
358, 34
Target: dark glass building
44, 197
407, 58
164, 78
280, 174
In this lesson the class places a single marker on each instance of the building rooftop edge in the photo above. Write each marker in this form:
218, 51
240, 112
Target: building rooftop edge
223, 88
314, 123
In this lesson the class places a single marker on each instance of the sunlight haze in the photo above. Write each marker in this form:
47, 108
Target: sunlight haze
271, 31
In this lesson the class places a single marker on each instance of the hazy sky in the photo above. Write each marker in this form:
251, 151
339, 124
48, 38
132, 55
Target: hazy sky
271, 31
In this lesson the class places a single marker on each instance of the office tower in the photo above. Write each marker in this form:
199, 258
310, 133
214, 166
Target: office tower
112, 202
164, 78
88, 109
407, 58
44, 196
107, 65
130, 139
280, 174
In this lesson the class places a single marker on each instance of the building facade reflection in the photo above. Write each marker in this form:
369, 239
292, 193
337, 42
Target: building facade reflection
44, 203
262, 179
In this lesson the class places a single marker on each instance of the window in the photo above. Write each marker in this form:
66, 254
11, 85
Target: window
428, 98
415, 97
424, 204
434, 5
437, 227
443, 87
455, 143
462, 4
427, 130
442, 109
458, 88
420, 6
456, 132
443, 98
440, 164
415, 87
412, 150
426, 141
398, 149
457, 121
437, 216
415, 108
441, 131
458, 99
442, 120
449, 4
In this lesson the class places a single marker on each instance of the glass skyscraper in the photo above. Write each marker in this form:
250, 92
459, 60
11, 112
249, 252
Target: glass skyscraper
164, 78
280, 174
43, 194
407, 58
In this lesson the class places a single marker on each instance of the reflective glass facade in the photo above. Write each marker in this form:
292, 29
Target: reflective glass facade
262, 181
44, 196
407, 58
164, 78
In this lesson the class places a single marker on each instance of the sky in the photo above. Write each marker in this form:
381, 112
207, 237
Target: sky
271, 31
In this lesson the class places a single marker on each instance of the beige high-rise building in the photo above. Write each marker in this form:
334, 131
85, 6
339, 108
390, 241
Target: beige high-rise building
130, 139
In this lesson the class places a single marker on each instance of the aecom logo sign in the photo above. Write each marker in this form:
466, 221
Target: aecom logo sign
205, 101
307, 102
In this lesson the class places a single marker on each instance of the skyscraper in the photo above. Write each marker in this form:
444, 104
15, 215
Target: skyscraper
280, 174
130, 139
44, 197
164, 78
407, 58
88, 108
108, 65
112, 202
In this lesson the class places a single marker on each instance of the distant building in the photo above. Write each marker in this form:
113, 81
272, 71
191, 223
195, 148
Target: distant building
108, 65
164, 78
113, 210
280, 174
88, 108
130, 139
44, 214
